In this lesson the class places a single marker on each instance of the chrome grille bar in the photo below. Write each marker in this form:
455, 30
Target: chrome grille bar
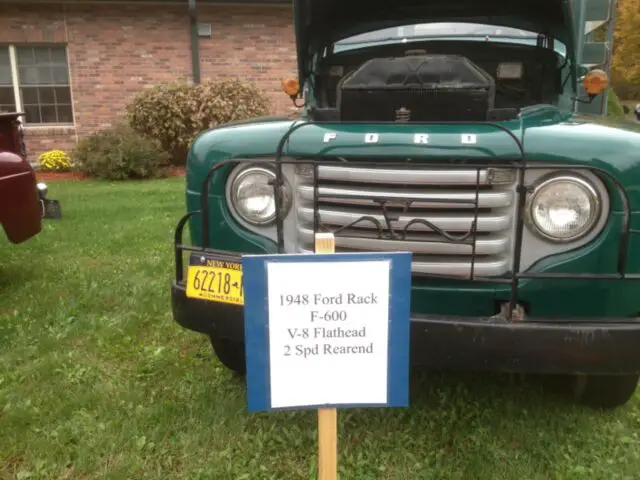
418, 244
448, 198
454, 222
408, 176
490, 267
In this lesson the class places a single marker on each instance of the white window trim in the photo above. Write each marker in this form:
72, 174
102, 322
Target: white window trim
15, 79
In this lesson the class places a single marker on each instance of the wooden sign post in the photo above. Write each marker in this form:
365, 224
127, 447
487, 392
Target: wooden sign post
325, 331
327, 417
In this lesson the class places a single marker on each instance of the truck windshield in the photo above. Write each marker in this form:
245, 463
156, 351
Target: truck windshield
442, 31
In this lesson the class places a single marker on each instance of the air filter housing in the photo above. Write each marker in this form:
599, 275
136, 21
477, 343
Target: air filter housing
417, 88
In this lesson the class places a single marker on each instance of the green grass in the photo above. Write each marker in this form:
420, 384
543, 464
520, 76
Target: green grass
97, 381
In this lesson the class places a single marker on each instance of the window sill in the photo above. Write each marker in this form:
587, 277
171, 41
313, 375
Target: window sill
47, 130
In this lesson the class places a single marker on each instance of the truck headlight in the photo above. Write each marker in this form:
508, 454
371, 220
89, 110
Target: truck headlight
253, 196
42, 189
563, 208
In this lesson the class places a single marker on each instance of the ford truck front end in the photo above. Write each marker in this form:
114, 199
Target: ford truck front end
425, 129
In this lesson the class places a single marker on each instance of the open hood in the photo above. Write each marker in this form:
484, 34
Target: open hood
322, 22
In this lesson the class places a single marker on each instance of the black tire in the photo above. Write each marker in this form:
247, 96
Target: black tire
605, 391
230, 354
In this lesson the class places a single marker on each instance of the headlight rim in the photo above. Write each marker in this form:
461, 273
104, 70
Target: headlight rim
566, 176
237, 175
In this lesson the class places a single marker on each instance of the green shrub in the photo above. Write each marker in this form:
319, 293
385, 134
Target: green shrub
614, 107
119, 153
175, 114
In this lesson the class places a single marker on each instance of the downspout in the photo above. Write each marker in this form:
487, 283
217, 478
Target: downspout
195, 43
579, 39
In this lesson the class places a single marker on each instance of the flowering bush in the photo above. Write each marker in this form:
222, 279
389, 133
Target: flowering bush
54, 161
175, 114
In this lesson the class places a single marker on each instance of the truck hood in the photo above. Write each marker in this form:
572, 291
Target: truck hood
321, 22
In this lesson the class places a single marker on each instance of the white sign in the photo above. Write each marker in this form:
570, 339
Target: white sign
328, 332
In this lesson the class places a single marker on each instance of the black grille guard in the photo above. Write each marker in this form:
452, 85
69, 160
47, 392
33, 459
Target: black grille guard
511, 278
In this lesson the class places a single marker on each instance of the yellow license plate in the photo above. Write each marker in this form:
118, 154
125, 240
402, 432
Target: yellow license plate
216, 284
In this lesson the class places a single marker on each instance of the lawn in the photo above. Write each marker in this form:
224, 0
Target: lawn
97, 381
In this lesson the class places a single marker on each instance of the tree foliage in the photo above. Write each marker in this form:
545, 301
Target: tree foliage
626, 58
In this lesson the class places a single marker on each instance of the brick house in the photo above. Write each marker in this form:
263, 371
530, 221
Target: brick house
72, 66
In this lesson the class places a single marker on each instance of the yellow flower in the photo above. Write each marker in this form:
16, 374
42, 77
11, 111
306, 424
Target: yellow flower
54, 160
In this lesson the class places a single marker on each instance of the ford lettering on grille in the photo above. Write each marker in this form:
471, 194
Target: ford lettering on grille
418, 138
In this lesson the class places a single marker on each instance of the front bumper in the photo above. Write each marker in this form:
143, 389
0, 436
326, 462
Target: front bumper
471, 342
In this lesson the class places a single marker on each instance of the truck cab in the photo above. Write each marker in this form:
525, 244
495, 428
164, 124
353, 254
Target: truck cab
472, 134
21, 198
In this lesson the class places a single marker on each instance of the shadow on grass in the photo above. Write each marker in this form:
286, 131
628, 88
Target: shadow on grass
13, 276
498, 395
470, 419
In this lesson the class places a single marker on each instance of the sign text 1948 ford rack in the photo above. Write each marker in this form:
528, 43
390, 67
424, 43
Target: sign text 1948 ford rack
481, 149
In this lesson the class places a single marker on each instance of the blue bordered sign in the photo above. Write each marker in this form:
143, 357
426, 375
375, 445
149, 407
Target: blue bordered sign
327, 330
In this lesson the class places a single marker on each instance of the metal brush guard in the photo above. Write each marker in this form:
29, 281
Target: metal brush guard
511, 278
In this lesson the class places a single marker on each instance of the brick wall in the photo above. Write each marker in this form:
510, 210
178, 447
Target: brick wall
116, 50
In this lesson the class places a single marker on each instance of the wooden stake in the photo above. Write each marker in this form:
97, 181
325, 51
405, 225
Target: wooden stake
327, 444
327, 417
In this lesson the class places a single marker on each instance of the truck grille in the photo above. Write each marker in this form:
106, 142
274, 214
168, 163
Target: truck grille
417, 200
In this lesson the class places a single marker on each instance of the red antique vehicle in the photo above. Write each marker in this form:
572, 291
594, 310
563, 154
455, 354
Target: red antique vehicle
22, 199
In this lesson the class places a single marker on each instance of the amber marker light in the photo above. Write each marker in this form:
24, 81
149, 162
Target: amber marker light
595, 82
291, 87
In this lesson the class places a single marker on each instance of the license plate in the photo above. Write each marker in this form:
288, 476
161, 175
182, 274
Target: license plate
215, 280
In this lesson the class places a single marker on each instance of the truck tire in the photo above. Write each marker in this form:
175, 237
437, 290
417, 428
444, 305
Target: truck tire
230, 354
605, 391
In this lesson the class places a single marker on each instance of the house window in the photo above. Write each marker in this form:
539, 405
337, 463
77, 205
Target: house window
35, 80
7, 92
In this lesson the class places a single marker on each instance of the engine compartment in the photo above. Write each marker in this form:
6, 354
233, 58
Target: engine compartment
436, 81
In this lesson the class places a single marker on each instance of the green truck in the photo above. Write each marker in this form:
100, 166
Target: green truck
472, 134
